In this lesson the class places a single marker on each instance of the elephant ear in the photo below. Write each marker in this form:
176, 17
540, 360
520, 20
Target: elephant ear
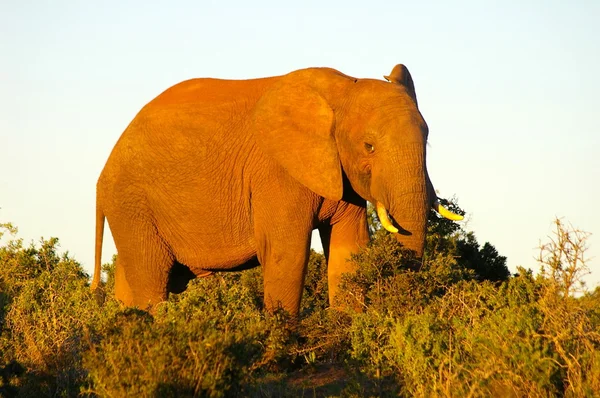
294, 125
401, 75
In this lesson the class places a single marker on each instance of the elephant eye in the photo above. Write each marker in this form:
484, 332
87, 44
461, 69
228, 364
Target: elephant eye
370, 148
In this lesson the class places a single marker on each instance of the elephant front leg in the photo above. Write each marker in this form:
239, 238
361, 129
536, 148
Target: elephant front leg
283, 246
283, 216
345, 235
284, 271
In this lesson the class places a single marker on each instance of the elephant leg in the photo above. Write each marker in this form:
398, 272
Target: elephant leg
284, 271
283, 246
122, 290
143, 265
346, 233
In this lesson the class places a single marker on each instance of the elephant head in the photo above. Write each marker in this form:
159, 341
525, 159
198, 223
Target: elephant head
340, 136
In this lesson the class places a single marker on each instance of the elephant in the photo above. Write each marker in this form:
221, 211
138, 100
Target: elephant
224, 175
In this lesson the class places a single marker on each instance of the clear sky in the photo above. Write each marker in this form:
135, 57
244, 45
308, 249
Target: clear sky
510, 91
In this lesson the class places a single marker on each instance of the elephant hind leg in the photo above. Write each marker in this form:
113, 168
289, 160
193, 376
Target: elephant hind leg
122, 290
143, 266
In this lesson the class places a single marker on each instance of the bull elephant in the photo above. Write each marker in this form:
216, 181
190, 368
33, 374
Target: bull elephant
221, 175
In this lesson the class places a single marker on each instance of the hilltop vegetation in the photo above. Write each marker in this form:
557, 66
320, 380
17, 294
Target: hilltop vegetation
459, 326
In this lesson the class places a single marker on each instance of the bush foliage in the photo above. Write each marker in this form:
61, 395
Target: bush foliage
461, 325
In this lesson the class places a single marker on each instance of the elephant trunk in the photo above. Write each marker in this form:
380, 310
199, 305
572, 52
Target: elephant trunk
409, 206
408, 202
411, 218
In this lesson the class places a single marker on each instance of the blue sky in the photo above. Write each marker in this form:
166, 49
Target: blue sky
510, 91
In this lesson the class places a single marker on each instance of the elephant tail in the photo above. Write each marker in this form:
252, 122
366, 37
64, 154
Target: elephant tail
98, 254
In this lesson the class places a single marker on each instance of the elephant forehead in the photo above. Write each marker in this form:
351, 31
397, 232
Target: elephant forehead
390, 119
405, 125
378, 91
385, 109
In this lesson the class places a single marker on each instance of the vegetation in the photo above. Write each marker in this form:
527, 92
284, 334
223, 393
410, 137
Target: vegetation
459, 326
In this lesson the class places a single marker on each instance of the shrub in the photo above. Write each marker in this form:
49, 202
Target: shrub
46, 312
528, 336
460, 326
205, 341
202, 342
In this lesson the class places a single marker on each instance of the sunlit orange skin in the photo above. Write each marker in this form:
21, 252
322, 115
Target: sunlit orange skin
215, 175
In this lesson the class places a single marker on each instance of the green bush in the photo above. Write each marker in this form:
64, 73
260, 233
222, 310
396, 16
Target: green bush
450, 335
206, 341
46, 311
458, 326
202, 342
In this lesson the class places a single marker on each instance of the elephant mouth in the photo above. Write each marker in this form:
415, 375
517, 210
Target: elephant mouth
388, 224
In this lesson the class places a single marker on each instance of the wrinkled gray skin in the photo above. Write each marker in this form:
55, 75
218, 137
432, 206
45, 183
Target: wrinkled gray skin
217, 175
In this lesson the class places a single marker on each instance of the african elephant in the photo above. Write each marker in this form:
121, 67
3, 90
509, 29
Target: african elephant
216, 175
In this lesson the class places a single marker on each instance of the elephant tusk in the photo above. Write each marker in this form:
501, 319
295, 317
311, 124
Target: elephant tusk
445, 212
384, 219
